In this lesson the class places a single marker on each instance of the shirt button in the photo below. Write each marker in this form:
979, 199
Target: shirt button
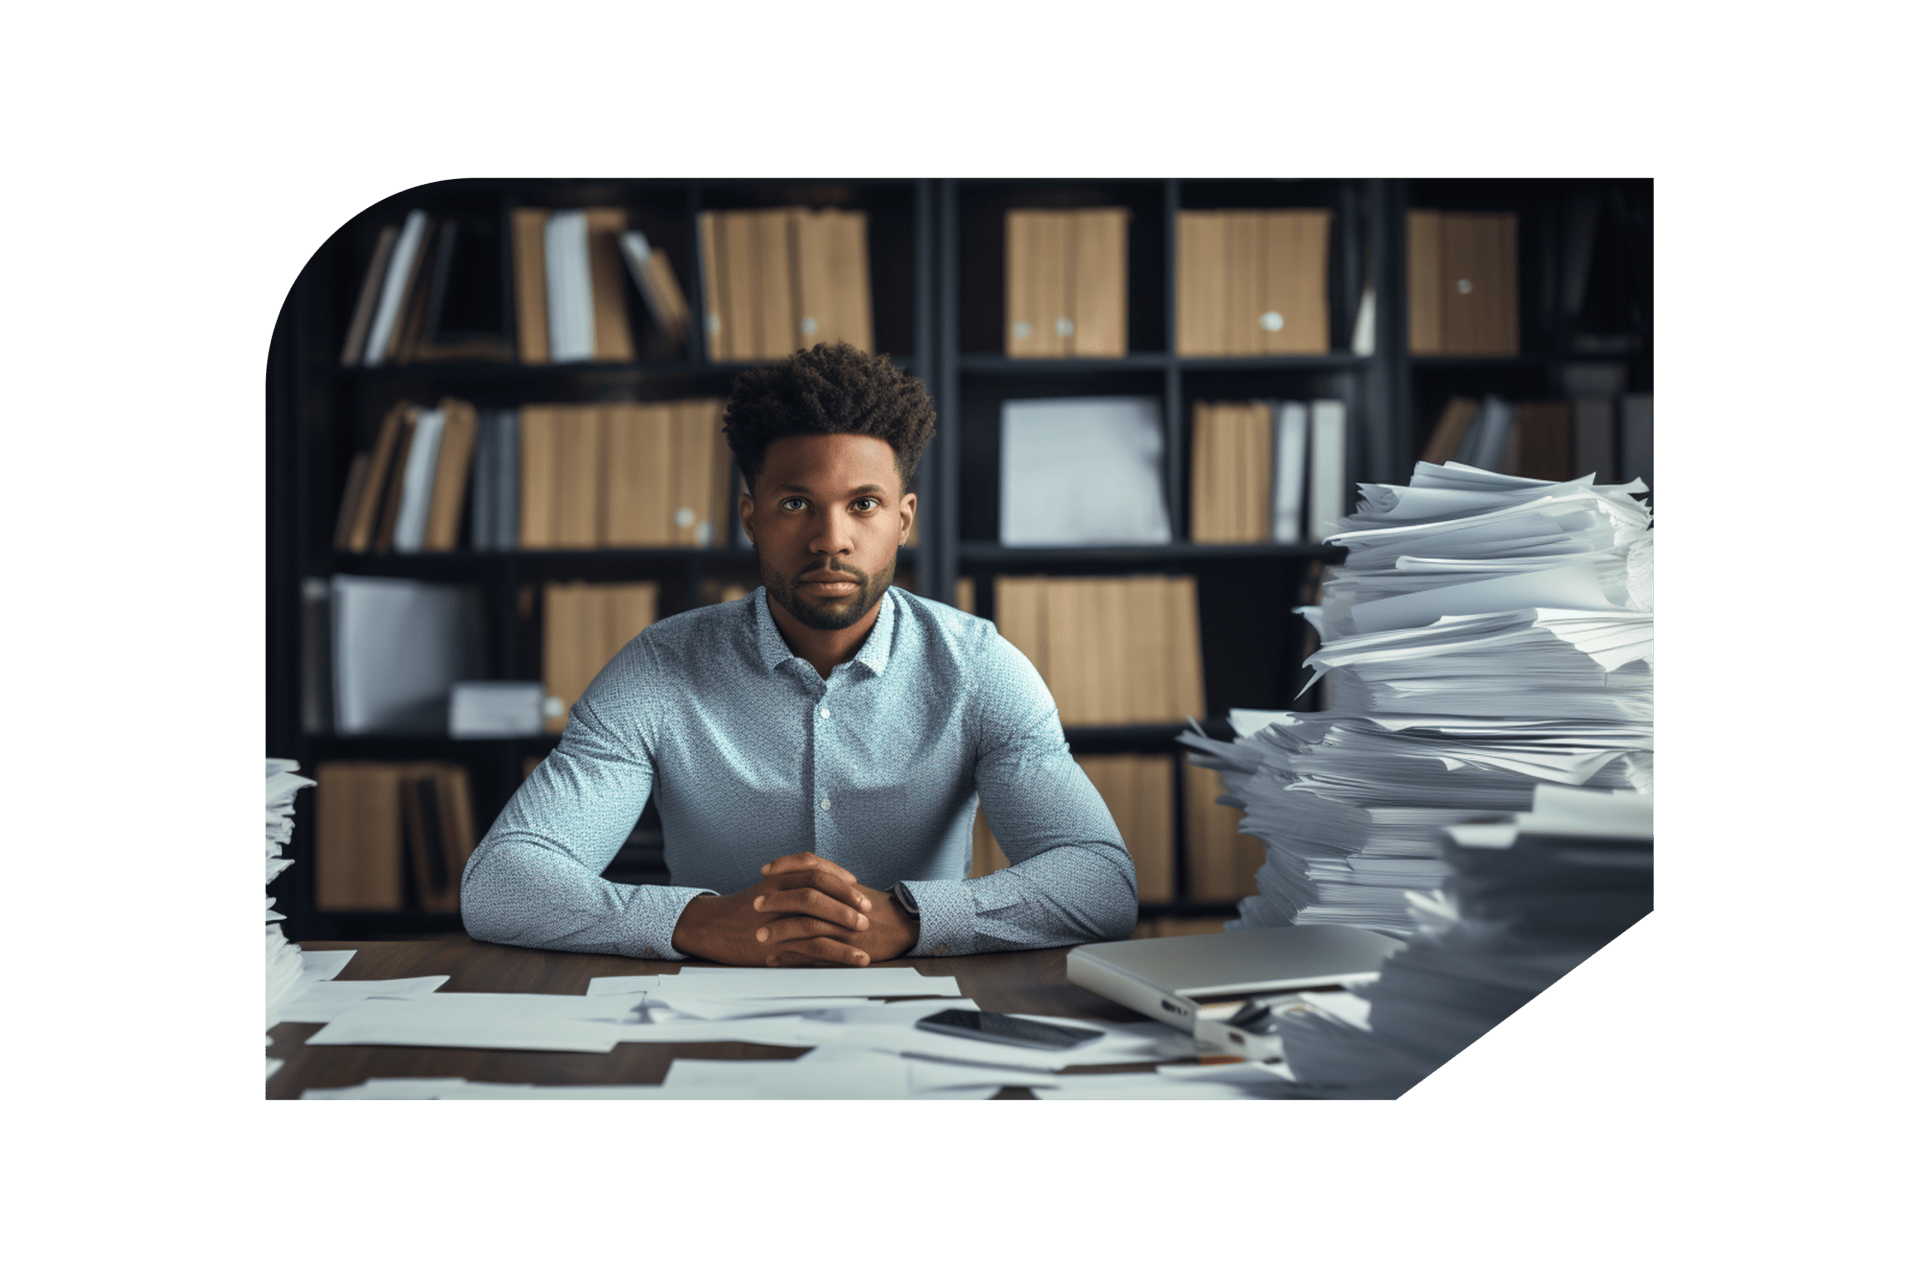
826, 803
825, 714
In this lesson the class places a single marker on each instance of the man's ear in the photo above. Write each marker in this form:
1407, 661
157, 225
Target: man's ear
746, 513
909, 508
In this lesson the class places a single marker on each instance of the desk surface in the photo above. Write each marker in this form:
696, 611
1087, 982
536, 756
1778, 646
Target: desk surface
1005, 982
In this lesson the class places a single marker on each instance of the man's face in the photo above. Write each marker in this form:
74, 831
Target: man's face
827, 518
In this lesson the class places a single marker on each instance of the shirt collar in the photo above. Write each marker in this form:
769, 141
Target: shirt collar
774, 649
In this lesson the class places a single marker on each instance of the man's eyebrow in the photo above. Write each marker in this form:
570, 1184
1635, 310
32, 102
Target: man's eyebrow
790, 487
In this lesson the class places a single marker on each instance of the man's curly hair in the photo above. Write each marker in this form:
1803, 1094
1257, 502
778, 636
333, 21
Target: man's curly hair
829, 390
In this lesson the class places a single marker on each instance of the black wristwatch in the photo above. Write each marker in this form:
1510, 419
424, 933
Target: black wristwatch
904, 896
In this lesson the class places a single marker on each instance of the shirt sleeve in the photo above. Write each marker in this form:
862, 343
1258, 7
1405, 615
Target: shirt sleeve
535, 881
1071, 878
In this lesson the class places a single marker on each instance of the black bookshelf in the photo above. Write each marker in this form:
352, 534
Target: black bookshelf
937, 265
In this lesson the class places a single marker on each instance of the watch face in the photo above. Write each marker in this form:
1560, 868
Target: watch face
900, 895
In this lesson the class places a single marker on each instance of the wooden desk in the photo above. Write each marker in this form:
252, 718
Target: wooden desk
1005, 982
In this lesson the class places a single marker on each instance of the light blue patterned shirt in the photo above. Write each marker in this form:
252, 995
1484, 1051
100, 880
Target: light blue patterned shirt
750, 755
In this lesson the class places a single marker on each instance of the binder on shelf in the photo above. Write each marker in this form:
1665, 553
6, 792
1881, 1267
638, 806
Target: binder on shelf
1066, 284
350, 495
379, 825
1450, 433
1463, 280
718, 333
832, 286
1252, 282
1327, 497
612, 335
1541, 443
395, 481
368, 501
416, 480
1292, 310
357, 836
1200, 283
738, 286
639, 451
529, 229
585, 625
579, 447
772, 239
401, 273
1289, 469
569, 288
1221, 862
357, 329
1425, 332
659, 291
539, 475
1099, 300
1142, 669
1479, 308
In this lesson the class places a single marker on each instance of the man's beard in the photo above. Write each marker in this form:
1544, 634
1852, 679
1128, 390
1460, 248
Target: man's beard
837, 615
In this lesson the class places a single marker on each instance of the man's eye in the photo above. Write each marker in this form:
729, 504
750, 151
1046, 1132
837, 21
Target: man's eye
872, 503
793, 504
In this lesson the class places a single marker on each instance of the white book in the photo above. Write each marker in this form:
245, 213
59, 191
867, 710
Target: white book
636, 250
387, 315
398, 649
569, 287
416, 492
1289, 469
1363, 325
1326, 498
1082, 471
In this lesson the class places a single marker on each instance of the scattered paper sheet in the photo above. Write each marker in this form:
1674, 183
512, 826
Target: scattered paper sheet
622, 984
683, 1007
744, 983
327, 1000
452, 1022
324, 966
824, 1073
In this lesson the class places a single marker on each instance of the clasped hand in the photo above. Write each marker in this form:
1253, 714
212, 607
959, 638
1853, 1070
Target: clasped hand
805, 911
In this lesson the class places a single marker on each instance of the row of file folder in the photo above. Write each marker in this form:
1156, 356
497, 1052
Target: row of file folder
1486, 633
540, 477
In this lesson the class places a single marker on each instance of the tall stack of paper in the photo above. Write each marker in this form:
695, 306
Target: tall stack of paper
1486, 633
283, 957
1527, 899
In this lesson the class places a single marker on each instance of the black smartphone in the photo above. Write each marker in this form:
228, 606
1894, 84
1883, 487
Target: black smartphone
1001, 1028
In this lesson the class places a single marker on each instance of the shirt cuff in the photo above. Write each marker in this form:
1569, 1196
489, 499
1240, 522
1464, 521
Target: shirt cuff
946, 916
655, 912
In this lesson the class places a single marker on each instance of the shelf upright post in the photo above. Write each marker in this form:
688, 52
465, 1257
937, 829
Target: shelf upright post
937, 566
1175, 472
944, 379
1391, 365
696, 279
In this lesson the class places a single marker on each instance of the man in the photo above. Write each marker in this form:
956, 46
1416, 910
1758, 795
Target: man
815, 749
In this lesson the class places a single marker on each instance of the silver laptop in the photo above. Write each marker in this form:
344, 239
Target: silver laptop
1194, 982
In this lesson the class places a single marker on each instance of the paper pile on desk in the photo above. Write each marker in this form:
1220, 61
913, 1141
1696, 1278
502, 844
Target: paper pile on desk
1486, 633
876, 1050
283, 957
1526, 900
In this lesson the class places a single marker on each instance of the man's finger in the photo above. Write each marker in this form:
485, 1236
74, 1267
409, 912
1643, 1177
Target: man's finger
818, 951
810, 902
819, 881
806, 862
790, 928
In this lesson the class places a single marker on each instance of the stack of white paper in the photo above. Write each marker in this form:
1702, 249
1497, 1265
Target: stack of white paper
1527, 899
1487, 633
283, 957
